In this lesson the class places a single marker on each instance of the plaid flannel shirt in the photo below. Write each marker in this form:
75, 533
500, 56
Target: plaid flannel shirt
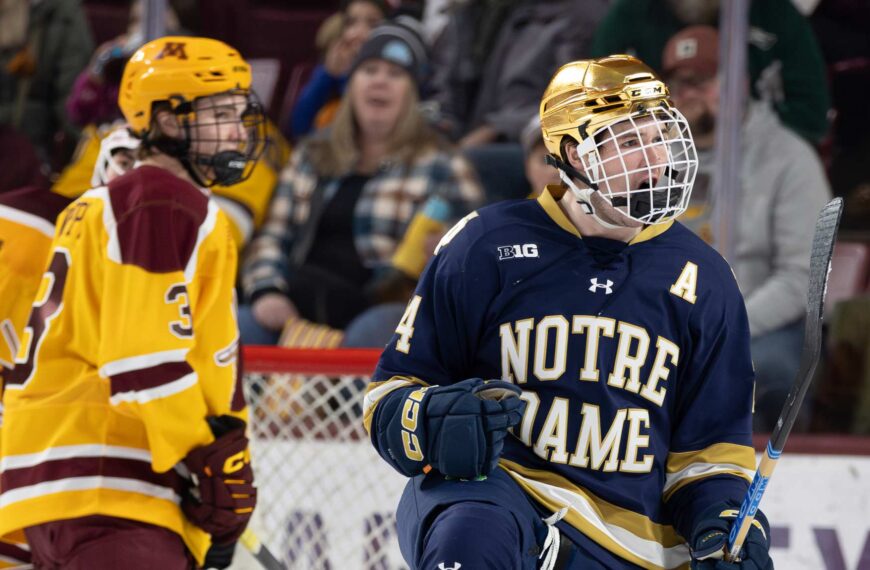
381, 216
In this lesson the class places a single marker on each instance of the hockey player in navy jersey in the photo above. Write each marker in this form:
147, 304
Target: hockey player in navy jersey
618, 435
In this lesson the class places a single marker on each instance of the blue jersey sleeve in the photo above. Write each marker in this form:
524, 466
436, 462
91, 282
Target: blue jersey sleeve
711, 459
436, 341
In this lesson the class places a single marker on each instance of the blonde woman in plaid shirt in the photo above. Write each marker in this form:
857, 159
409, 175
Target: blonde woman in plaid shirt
348, 194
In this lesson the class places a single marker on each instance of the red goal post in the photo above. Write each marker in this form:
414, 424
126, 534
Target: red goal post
326, 499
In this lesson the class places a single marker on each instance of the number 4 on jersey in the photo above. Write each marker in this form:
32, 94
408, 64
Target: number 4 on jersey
451, 233
405, 330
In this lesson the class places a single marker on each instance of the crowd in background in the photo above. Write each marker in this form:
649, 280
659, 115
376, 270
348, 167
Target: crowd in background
418, 113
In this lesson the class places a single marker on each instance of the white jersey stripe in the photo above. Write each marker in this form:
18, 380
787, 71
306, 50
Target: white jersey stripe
205, 228
86, 484
30, 220
648, 550
238, 214
696, 470
142, 362
111, 226
163, 391
73, 451
374, 396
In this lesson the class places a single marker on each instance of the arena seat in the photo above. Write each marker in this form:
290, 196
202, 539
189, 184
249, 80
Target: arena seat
299, 75
850, 266
265, 73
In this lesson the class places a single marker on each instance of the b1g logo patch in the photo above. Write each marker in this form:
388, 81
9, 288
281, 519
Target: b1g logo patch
517, 251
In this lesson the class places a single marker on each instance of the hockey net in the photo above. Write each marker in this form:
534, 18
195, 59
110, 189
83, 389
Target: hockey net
326, 500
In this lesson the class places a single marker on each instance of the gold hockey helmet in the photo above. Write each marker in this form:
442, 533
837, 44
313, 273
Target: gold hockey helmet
177, 70
215, 147
599, 104
585, 96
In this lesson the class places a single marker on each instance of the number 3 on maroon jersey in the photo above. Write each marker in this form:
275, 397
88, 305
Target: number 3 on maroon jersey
48, 303
183, 327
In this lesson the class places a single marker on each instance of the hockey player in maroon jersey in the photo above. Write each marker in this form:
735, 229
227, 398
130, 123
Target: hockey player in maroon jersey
124, 431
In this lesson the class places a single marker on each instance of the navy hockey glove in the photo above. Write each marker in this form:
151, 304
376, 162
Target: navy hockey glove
711, 535
223, 497
458, 430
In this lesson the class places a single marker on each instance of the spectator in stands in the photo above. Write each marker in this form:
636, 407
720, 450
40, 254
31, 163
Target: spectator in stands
94, 96
348, 194
20, 164
494, 58
783, 189
538, 172
841, 26
842, 402
43, 47
318, 100
437, 215
785, 64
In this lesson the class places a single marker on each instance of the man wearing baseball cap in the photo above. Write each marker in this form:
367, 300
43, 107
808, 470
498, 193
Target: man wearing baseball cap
783, 186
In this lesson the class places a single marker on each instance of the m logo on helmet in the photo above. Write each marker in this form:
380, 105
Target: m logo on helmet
173, 49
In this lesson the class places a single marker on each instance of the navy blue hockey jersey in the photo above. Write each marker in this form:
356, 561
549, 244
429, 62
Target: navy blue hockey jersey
633, 358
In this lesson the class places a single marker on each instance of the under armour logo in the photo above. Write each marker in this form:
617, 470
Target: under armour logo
608, 288
441, 566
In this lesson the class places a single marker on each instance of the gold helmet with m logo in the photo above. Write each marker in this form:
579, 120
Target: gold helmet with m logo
177, 70
218, 131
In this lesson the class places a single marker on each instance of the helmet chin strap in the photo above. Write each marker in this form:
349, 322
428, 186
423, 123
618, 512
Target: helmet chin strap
228, 166
583, 196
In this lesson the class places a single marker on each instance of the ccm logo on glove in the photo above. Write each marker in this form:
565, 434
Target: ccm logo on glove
410, 415
237, 462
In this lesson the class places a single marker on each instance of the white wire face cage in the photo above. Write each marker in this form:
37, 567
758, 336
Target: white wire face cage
644, 165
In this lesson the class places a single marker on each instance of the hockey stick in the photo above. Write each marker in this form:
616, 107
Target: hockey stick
259, 551
820, 267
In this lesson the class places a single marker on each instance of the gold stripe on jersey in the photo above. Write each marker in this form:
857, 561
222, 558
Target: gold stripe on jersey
627, 534
719, 459
548, 202
377, 390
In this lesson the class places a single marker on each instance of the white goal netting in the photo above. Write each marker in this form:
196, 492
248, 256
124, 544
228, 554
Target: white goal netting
326, 500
